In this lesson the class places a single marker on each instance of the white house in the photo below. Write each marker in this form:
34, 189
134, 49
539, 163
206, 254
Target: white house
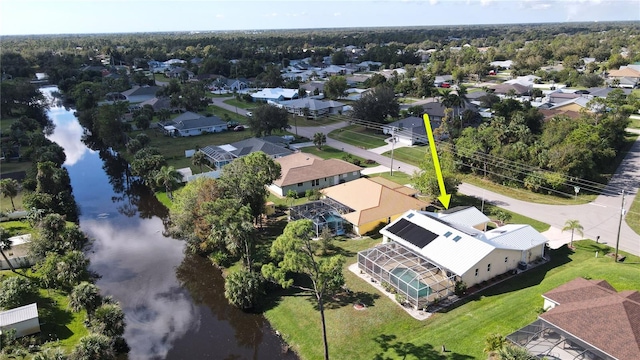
424, 255
18, 254
192, 124
23, 319
275, 94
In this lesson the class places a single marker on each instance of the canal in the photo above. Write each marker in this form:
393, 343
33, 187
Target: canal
174, 302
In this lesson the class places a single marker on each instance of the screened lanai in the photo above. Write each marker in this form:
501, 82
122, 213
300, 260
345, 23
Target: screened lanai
323, 213
418, 279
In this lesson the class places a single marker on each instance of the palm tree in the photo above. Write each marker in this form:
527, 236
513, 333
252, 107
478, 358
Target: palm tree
9, 188
319, 139
85, 296
164, 114
199, 159
167, 176
574, 226
5, 244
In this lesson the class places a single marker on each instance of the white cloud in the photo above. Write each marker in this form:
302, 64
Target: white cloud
433, 2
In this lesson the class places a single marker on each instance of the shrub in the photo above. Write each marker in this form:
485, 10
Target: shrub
460, 288
244, 289
400, 299
16, 291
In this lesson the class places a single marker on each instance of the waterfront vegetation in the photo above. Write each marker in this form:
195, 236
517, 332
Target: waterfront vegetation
384, 329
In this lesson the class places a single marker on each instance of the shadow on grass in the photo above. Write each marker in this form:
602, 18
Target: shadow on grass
348, 298
53, 320
517, 282
390, 348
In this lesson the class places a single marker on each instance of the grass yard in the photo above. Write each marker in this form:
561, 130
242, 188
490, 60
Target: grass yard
9, 167
241, 104
526, 195
225, 114
410, 155
14, 227
60, 327
5, 203
384, 330
326, 120
397, 177
359, 136
633, 216
328, 152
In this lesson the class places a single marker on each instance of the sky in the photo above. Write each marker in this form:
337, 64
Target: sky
26, 17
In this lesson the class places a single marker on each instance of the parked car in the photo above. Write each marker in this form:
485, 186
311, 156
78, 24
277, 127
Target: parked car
249, 114
238, 128
445, 85
232, 124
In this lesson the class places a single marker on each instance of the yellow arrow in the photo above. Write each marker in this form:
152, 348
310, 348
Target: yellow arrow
444, 197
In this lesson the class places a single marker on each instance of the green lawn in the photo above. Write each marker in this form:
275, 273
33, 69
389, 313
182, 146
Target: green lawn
526, 195
240, 104
60, 327
173, 147
327, 120
383, 330
328, 152
359, 136
16, 227
9, 167
5, 203
225, 114
397, 177
633, 216
410, 155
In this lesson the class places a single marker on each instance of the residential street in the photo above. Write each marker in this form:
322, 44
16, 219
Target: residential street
599, 218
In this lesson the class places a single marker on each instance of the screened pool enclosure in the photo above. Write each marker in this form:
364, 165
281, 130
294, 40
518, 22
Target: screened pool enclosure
325, 213
419, 280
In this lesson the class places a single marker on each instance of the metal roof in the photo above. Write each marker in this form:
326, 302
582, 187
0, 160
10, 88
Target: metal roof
18, 315
515, 237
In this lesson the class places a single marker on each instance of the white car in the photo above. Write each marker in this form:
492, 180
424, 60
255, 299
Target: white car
249, 114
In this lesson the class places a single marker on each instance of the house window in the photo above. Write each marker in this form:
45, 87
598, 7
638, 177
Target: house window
476, 272
355, 173
447, 234
315, 182
506, 258
299, 184
488, 267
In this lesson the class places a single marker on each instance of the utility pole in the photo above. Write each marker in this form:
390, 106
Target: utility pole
393, 145
619, 226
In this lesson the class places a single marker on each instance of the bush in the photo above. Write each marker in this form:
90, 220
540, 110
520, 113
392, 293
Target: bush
460, 288
16, 291
312, 194
244, 289
400, 299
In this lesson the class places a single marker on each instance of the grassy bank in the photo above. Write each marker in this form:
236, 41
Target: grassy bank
384, 330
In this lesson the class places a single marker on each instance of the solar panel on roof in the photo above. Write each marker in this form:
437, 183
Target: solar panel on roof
412, 233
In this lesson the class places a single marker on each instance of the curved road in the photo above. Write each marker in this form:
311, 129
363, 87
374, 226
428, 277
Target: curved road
599, 218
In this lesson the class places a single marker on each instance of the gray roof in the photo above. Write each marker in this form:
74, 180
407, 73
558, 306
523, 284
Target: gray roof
247, 146
312, 104
141, 90
198, 123
18, 315
434, 109
604, 91
187, 116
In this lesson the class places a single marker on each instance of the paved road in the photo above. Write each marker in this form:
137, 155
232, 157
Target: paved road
599, 218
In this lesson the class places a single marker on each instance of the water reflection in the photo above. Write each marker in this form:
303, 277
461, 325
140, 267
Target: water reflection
138, 265
68, 134
174, 305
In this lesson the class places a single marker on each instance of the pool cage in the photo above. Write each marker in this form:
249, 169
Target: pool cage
323, 213
420, 281
542, 339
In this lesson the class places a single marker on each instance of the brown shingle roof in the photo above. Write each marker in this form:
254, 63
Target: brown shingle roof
395, 186
594, 312
371, 200
550, 113
625, 72
301, 167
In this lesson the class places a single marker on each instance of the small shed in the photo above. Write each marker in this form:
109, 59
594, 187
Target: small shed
24, 319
